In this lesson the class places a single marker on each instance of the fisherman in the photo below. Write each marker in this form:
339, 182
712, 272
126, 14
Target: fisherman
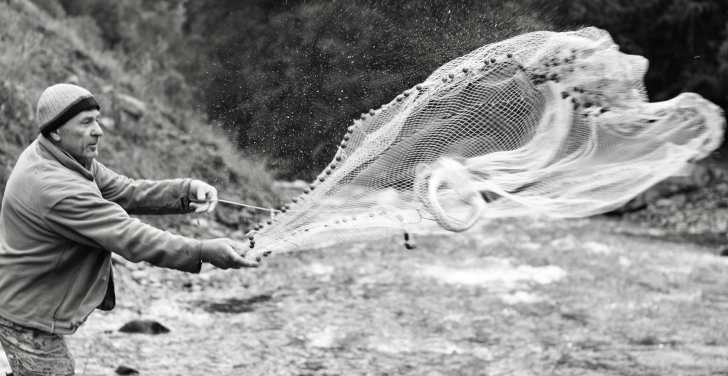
63, 214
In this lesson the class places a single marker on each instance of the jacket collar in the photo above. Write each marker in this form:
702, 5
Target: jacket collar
64, 158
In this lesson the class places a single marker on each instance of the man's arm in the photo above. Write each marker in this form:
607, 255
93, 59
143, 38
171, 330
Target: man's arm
144, 196
91, 220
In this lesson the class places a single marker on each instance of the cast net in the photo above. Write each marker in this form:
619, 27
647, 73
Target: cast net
543, 123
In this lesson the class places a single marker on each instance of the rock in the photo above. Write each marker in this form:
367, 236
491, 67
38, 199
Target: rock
566, 243
216, 233
624, 262
599, 248
124, 370
679, 200
144, 327
663, 203
140, 275
131, 105
107, 122
197, 221
325, 338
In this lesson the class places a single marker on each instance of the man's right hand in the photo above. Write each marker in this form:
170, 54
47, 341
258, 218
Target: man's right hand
225, 253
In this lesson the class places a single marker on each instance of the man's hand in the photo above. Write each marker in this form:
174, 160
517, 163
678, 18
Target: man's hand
203, 196
225, 254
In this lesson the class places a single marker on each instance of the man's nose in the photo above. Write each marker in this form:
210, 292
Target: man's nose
97, 131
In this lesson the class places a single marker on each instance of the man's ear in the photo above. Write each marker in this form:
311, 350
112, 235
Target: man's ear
54, 135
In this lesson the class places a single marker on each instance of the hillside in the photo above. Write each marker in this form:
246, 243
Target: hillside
145, 137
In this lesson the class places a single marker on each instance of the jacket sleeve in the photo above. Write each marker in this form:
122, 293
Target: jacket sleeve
143, 196
94, 221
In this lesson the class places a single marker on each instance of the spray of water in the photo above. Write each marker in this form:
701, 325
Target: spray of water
543, 123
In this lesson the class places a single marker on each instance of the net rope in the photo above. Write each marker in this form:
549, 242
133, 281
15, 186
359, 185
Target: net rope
544, 123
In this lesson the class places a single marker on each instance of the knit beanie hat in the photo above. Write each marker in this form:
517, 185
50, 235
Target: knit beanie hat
59, 103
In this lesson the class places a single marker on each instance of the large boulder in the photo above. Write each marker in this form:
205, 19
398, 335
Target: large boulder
131, 105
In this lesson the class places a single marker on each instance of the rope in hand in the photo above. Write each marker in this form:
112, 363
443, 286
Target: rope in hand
272, 211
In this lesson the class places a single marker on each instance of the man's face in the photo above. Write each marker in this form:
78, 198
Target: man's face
80, 136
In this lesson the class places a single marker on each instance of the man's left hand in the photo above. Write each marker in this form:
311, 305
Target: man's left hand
204, 197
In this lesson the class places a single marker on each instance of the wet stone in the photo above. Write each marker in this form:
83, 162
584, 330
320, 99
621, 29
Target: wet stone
124, 370
144, 327
236, 305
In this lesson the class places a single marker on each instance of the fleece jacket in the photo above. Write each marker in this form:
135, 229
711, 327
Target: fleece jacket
59, 223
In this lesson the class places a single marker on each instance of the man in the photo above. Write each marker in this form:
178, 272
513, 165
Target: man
63, 214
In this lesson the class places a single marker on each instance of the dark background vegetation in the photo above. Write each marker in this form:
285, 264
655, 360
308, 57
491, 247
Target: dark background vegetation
287, 76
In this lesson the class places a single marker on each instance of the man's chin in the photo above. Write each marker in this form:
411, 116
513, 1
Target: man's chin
92, 154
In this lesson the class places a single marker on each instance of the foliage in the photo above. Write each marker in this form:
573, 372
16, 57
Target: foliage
145, 36
160, 143
287, 76
290, 78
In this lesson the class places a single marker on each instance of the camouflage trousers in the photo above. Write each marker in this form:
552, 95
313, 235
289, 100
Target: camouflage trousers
32, 352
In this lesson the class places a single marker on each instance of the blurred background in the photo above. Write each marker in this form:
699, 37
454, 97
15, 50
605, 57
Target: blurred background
246, 93
285, 77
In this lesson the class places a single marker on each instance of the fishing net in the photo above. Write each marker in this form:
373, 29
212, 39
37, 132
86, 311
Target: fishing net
543, 123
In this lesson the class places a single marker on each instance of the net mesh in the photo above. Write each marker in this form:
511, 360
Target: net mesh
543, 123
